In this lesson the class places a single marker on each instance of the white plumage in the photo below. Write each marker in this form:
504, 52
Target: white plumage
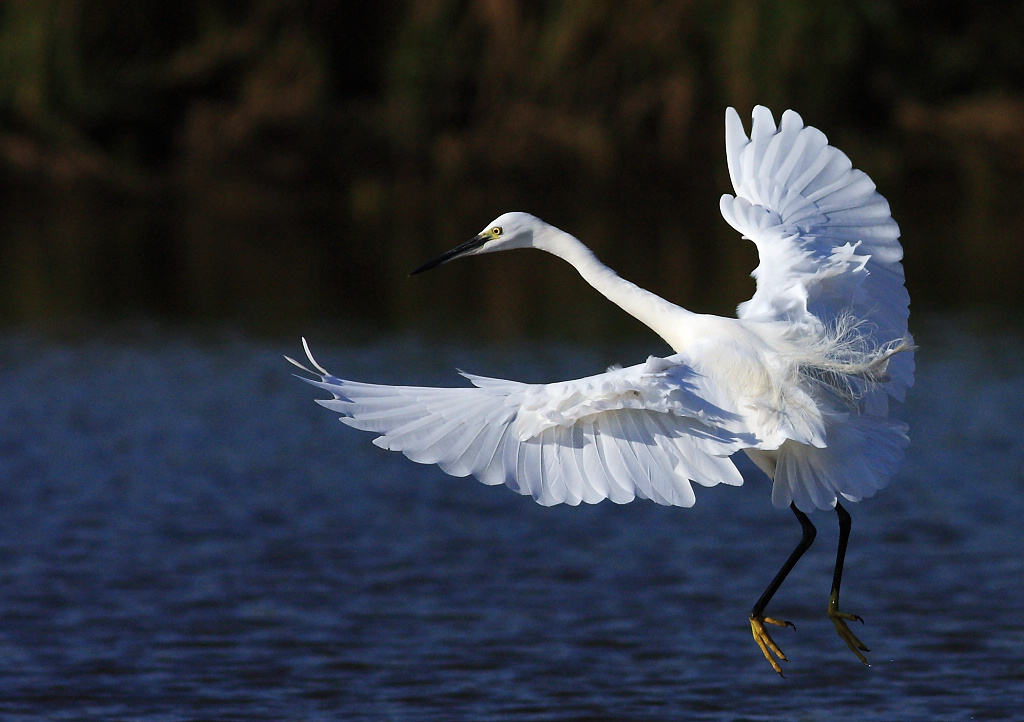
799, 380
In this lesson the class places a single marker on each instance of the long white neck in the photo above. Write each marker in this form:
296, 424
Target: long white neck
673, 323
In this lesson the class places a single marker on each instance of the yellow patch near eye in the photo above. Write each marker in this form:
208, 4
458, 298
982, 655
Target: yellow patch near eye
496, 231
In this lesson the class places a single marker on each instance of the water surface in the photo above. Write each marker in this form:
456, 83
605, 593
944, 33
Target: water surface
184, 535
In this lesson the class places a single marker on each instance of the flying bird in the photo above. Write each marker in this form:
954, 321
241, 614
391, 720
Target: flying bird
800, 380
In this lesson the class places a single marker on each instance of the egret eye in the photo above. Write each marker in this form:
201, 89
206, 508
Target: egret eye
496, 231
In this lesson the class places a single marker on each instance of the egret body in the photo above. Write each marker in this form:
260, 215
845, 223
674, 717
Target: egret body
800, 380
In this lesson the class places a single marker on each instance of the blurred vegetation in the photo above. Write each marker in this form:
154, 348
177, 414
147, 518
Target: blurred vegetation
279, 160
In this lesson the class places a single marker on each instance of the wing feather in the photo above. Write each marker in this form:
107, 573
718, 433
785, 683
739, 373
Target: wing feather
530, 475
862, 456
620, 445
647, 431
463, 449
492, 469
560, 456
597, 485
829, 248
674, 488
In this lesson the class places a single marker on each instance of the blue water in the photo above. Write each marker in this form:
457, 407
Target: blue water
185, 535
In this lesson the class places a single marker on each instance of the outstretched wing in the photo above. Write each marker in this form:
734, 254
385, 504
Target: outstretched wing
829, 249
645, 431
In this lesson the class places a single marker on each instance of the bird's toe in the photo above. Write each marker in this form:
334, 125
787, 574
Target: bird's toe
766, 643
839, 620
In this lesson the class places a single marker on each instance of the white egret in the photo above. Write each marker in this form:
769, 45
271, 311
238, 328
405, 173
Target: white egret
799, 381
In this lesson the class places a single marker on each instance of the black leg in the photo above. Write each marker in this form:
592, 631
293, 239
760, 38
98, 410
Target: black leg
839, 619
757, 618
844, 538
806, 539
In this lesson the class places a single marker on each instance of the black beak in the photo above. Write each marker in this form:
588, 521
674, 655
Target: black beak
470, 245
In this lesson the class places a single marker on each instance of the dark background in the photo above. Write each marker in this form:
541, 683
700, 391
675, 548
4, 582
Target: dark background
281, 163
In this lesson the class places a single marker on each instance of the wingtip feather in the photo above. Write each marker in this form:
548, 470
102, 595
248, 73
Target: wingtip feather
293, 362
309, 355
735, 140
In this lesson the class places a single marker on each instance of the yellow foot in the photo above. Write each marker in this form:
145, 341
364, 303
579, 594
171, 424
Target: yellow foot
765, 642
839, 620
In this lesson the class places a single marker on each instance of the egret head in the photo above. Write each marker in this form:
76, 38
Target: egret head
509, 230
